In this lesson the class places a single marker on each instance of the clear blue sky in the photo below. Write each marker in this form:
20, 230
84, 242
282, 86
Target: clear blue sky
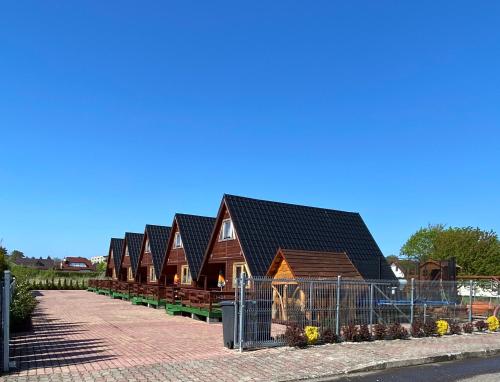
114, 114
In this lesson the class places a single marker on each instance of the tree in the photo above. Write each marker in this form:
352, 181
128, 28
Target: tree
476, 251
3, 261
421, 245
16, 255
101, 267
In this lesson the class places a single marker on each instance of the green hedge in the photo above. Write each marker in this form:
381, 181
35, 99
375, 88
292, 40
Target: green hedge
22, 306
58, 284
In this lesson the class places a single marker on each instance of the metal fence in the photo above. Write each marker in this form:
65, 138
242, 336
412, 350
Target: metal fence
266, 306
8, 286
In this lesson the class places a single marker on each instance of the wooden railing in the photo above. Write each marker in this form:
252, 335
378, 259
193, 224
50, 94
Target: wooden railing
204, 299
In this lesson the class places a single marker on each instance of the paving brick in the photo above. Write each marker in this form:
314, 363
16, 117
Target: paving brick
80, 336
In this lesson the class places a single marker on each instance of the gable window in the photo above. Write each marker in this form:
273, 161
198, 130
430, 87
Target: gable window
238, 269
126, 251
152, 274
147, 248
227, 230
177, 240
130, 276
185, 275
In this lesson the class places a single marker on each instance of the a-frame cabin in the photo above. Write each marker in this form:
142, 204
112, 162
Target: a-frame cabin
130, 256
114, 258
186, 248
153, 250
248, 233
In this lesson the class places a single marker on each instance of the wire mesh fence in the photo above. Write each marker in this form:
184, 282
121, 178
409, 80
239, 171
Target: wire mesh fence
266, 306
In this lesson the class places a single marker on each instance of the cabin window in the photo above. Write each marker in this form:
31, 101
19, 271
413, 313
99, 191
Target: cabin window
227, 230
147, 248
126, 251
129, 273
238, 269
185, 275
152, 274
177, 240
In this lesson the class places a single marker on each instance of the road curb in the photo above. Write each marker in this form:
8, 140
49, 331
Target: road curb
406, 363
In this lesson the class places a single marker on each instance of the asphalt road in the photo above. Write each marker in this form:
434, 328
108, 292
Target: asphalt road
471, 370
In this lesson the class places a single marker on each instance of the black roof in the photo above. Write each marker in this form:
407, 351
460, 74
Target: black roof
134, 242
116, 245
195, 233
158, 239
264, 226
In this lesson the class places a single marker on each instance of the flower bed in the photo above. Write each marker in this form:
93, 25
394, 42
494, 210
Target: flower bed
296, 336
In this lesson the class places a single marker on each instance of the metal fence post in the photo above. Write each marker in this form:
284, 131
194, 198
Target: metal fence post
242, 310
471, 294
337, 307
412, 297
371, 307
6, 319
236, 313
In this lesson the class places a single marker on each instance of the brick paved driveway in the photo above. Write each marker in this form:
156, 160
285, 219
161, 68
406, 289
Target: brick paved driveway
82, 331
80, 336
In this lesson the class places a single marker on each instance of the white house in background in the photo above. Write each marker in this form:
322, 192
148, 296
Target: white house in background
397, 270
98, 259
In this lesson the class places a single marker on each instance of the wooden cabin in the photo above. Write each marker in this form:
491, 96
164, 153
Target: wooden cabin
114, 258
248, 233
130, 256
185, 249
153, 249
291, 270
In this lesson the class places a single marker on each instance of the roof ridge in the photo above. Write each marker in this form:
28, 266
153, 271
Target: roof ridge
289, 204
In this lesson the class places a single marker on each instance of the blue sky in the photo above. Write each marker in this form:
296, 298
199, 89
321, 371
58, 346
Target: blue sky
116, 114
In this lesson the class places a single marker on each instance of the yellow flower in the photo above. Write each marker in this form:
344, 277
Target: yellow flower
312, 334
441, 327
493, 323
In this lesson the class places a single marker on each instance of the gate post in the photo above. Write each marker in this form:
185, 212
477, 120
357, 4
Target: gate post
371, 308
412, 297
242, 310
471, 295
337, 307
6, 319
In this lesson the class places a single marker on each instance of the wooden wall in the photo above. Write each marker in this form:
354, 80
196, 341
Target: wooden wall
223, 254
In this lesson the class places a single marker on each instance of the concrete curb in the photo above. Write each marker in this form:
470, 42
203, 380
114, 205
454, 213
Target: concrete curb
405, 363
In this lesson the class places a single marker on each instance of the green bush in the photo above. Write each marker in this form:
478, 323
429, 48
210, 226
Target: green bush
22, 306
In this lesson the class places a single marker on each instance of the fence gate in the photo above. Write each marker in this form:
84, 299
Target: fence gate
8, 285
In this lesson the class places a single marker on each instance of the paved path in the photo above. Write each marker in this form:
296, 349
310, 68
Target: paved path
469, 370
80, 336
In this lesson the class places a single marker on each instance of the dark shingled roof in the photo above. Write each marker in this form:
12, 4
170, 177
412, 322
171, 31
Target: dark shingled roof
195, 234
117, 246
158, 239
134, 243
264, 226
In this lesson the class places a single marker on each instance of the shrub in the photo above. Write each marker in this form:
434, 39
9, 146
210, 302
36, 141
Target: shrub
329, 337
455, 328
22, 306
417, 329
312, 334
379, 331
493, 323
364, 333
441, 327
481, 326
430, 328
350, 332
468, 328
397, 332
295, 336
